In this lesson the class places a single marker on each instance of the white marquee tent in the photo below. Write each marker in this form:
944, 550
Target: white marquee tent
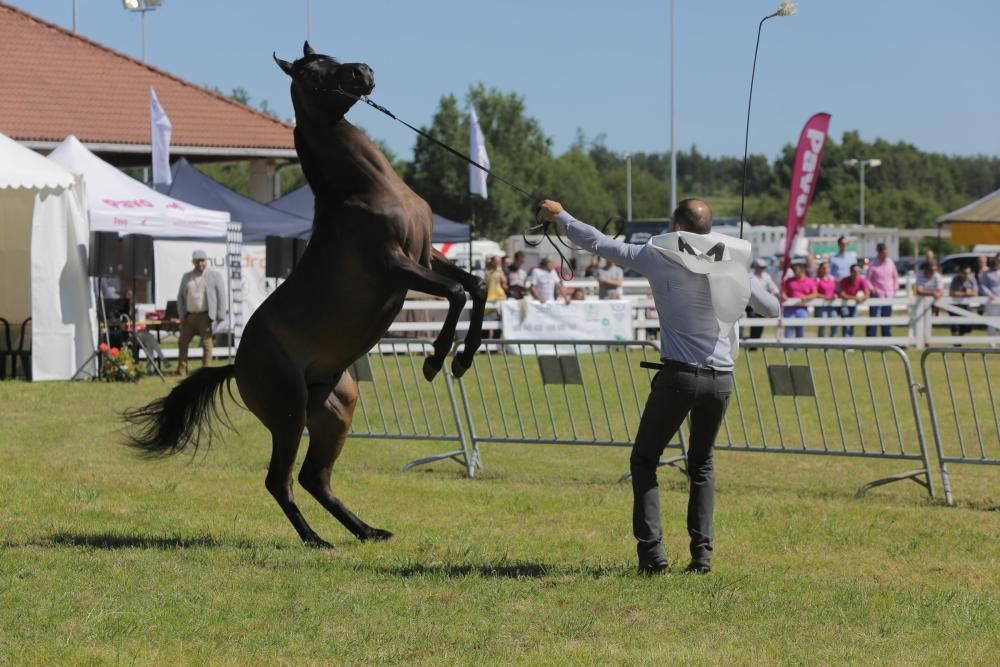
119, 203
43, 260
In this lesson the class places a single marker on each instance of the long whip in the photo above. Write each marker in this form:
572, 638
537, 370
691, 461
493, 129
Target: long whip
786, 8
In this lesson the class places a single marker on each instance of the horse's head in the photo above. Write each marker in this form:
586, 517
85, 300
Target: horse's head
323, 87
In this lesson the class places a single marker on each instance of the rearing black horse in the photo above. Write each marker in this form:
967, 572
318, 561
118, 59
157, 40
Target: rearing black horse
371, 242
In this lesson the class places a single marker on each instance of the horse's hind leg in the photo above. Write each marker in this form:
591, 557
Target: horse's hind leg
278, 398
329, 420
477, 289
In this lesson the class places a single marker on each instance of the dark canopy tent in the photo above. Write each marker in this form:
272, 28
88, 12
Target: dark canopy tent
259, 221
300, 202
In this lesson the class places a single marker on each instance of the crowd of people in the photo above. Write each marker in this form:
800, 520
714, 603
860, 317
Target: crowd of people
508, 278
843, 277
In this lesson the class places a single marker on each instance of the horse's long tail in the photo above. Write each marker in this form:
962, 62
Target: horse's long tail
169, 424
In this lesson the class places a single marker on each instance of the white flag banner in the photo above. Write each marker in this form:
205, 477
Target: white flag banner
161, 130
477, 151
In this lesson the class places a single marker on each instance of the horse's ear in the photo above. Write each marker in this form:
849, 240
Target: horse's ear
285, 66
307, 50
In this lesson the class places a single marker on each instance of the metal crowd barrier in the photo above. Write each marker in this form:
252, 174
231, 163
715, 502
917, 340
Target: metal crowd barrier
805, 398
396, 402
834, 399
965, 414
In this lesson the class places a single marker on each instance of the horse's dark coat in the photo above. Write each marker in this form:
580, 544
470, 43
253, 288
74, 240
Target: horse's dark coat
371, 243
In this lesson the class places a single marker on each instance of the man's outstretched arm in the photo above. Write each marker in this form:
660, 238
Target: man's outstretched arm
589, 238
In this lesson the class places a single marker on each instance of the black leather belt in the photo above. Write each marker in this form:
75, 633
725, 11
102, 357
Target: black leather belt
670, 364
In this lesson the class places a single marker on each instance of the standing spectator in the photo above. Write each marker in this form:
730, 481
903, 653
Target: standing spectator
496, 290
853, 288
928, 281
884, 281
610, 280
801, 287
762, 279
810, 266
842, 261
593, 268
826, 289
546, 283
963, 285
201, 300
517, 277
989, 286
496, 281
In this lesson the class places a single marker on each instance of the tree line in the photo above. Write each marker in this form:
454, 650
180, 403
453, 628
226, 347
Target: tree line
910, 189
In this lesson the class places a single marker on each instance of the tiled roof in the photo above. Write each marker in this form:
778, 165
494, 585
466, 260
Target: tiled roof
54, 82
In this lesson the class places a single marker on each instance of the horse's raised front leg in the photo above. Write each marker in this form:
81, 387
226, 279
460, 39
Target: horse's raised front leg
329, 420
476, 287
411, 275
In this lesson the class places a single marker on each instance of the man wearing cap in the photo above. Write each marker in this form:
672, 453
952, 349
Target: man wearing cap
201, 300
701, 289
764, 282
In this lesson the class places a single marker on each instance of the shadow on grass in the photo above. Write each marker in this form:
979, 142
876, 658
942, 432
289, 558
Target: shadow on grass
501, 570
112, 542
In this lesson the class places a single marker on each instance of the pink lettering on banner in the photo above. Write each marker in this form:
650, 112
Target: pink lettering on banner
174, 204
120, 222
128, 203
805, 172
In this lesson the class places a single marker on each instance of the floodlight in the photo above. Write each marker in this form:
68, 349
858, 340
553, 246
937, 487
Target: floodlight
130, 4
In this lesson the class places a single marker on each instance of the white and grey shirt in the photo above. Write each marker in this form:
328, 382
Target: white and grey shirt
689, 330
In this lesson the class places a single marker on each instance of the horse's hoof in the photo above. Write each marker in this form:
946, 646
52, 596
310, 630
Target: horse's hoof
431, 368
378, 535
318, 543
459, 366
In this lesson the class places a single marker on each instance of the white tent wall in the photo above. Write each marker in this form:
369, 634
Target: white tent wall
62, 305
173, 260
16, 207
43, 250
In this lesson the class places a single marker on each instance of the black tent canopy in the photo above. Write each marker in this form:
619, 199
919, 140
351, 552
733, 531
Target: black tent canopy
300, 202
259, 220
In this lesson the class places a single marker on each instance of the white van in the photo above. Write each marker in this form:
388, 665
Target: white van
482, 250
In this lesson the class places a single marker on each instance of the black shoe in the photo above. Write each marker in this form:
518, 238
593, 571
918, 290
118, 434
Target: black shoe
654, 566
697, 568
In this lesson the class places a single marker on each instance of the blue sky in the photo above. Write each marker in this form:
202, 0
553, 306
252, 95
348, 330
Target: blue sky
914, 70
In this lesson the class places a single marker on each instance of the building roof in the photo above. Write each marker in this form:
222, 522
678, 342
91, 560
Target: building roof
56, 83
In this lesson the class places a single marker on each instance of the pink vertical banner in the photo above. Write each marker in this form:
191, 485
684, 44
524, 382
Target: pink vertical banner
805, 174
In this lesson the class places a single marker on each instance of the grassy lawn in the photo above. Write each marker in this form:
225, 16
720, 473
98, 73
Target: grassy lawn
106, 558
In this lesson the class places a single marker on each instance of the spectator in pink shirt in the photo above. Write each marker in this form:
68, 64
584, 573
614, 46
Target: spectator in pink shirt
801, 287
826, 288
884, 281
853, 288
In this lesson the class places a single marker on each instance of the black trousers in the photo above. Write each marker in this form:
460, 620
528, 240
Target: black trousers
675, 394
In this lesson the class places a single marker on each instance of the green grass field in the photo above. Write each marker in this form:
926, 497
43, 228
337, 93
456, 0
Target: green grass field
106, 558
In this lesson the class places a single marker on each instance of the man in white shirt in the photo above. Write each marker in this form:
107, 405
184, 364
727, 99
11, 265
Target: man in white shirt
201, 300
764, 282
546, 283
698, 345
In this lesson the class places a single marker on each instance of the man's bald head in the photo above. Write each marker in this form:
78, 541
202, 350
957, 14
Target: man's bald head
693, 215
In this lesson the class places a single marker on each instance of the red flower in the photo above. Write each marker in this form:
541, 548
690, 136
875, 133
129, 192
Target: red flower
114, 352
104, 347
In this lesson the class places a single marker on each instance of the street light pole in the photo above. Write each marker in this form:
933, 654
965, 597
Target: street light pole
861, 164
142, 6
673, 123
628, 187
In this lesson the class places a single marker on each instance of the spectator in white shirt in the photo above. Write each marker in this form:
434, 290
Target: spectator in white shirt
546, 284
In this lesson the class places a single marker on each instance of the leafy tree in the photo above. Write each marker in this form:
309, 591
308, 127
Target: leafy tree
518, 150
